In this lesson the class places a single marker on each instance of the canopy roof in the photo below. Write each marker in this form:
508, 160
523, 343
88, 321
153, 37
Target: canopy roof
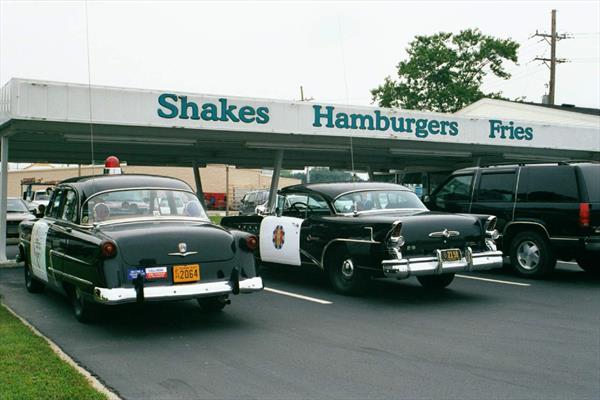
55, 123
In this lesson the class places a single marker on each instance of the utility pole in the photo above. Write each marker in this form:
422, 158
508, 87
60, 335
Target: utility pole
551, 62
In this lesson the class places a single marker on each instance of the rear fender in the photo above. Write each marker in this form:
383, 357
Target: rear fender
361, 250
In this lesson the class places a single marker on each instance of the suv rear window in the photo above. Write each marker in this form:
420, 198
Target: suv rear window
591, 176
552, 184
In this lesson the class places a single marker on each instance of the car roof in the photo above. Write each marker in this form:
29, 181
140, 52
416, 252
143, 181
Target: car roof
89, 185
332, 190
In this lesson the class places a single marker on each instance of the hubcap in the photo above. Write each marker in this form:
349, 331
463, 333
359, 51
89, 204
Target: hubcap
348, 268
528, 255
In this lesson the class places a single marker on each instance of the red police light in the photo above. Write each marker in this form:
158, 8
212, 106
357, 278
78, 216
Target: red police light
112, 166
112, 162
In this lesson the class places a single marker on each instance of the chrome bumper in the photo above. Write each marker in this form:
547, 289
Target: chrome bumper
175, 292
402, 268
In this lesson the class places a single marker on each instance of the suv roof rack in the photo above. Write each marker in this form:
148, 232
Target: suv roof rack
520, 164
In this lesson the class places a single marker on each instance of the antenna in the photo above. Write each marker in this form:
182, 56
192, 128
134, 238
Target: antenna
87, 40
346, 88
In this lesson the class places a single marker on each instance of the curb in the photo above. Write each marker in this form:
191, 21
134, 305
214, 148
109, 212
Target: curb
96, 384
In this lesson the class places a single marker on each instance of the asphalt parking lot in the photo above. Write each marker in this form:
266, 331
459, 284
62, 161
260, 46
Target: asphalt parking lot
501, 337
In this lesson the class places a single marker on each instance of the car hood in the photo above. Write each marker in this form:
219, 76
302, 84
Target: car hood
18, 216
154, 242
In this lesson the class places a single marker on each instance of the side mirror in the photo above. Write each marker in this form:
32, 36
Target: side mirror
278, 211
426, 199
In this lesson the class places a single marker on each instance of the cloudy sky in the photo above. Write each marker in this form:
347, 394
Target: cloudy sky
337, 50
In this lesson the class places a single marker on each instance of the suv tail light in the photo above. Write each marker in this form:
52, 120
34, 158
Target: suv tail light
584, 215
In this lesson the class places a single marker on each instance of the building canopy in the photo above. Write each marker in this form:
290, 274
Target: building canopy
55, 123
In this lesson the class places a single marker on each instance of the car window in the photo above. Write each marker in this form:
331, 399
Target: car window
497, 187
555, 184
69, 212
458, 188
377, 200
140, 203
53, 210
251, 199
591, 176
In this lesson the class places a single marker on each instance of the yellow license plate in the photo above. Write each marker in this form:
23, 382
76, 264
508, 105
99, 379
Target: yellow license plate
186, 273
451, 255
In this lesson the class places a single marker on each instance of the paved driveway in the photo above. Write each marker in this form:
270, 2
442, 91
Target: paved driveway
503, 337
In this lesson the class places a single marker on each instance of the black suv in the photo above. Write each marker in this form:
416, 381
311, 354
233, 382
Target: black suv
545, 211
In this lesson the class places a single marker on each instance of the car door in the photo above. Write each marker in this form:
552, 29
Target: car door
79, 248
454, 195
495, 195
44, 239
280, 234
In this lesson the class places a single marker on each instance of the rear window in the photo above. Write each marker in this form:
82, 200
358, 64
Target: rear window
591, 176
552, 184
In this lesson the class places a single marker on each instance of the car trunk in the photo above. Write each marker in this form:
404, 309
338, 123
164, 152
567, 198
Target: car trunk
417, 230
158, 242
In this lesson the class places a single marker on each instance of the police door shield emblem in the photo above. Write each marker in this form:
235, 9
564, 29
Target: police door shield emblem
278, 237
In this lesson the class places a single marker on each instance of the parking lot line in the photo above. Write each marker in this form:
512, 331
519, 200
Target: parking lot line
297, 296
493, 280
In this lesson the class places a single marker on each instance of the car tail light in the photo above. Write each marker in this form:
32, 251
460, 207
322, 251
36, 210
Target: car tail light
395, 236
584, 215
108, 249
251, 242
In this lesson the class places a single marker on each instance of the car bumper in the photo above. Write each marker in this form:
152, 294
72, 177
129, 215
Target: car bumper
592, 243
176, 292
404, 267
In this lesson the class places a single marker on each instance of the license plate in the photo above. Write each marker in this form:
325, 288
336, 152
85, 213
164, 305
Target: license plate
186, 273
451, 255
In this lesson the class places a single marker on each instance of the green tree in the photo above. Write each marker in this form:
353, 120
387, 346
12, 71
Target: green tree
445, 71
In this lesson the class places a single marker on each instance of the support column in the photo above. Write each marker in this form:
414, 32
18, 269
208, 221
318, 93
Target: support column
3, 195
199, 191
227, 190
275, 181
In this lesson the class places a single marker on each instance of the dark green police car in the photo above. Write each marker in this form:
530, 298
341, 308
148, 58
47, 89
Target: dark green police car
134, 238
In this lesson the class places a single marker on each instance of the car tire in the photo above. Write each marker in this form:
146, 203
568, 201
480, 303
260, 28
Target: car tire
345, 277
32, 284
531, 255
435, 282
213, 304
84, 310
589, 264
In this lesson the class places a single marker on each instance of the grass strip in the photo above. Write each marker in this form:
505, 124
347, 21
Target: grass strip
29, 369
216, 219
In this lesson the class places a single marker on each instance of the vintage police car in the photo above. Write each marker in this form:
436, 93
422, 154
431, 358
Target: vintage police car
355, 231
133, 238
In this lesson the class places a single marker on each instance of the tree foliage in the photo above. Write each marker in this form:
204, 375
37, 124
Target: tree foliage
445, 71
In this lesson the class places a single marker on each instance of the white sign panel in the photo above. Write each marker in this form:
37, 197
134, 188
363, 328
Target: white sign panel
67, 102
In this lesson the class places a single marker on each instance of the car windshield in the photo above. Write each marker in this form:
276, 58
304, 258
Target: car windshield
377, 200
16, 206
141, 203
41, 196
